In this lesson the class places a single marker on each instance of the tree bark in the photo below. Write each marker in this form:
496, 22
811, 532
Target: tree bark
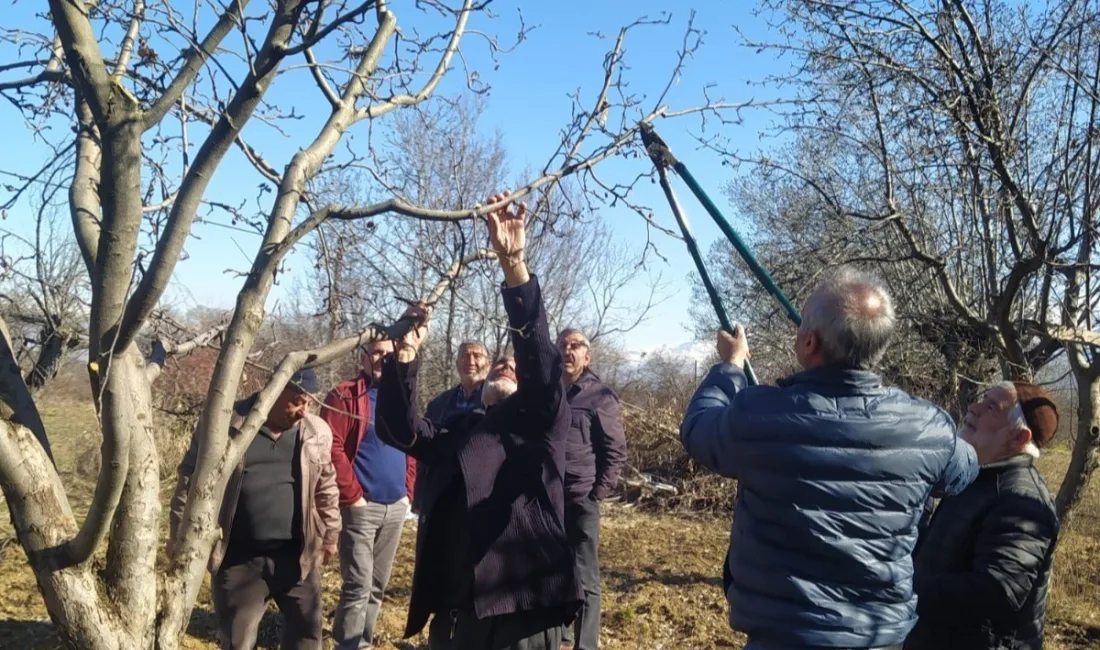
1085, 459
43, 523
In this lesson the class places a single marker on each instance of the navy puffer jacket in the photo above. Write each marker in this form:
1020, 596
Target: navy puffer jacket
834, 471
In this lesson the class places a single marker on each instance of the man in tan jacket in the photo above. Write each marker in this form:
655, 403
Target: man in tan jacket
280, 520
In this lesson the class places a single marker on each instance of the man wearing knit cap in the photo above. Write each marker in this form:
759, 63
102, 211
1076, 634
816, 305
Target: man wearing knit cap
983, 567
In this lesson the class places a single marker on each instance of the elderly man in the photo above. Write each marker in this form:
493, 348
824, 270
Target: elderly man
983, 567
280, 519
833, 472
375, 480
594, 456
493, 561
472, 364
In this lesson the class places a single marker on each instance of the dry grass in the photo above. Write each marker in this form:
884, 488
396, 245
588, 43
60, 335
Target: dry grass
662, 588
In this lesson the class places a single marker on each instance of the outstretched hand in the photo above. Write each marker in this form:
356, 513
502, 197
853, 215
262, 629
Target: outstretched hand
507, 227
508, 236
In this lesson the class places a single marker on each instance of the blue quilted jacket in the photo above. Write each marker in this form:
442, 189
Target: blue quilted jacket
833, 471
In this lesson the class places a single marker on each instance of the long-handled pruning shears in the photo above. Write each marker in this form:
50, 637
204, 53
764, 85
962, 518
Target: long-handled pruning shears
663, 159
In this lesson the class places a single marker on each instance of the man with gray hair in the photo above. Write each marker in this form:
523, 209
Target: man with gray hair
983, 566
595, 453
833, 472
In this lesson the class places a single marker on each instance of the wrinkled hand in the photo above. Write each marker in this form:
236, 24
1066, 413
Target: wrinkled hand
507, 227
331, 551
733, 348
409, 344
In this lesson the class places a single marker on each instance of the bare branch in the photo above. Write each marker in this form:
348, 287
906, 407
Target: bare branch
193, 61
127, 47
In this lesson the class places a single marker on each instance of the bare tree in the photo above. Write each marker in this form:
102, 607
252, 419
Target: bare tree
952, 146
156, 103
43, 297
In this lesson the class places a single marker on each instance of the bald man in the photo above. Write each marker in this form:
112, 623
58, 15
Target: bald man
833, 469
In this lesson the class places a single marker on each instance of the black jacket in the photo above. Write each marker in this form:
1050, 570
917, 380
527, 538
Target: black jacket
596, 449
983, 568
509, 461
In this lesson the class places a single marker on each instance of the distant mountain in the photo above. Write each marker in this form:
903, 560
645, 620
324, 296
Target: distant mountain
701, 351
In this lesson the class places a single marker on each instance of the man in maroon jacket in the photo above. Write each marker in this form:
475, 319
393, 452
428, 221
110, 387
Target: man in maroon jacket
493, 561
375, 482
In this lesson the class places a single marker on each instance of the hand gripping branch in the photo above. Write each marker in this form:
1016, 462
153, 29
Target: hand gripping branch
662, 158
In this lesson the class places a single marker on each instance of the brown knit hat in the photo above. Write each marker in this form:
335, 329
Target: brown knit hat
1039, 411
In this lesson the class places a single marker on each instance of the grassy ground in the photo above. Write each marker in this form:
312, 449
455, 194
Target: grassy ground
661, 572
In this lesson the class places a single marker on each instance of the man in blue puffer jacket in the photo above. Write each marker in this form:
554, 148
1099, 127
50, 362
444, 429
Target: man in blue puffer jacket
834, 471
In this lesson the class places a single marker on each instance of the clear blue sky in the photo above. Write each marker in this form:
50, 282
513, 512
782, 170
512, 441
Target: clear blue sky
528, 105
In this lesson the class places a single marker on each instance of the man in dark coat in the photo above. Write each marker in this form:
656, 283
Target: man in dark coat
983, 567
594, 457
834, 470
472, 365
493, 564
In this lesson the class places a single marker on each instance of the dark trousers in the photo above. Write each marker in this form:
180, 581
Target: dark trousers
242, 588
462, 630
582, 525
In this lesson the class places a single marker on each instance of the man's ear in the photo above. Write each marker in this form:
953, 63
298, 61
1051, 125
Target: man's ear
810, 341
1023, 436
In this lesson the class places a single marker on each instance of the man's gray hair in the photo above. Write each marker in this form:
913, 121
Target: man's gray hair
853, 314
472, 344
570, 331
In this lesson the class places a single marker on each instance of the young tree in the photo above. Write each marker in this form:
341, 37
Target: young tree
953, 147
140, 83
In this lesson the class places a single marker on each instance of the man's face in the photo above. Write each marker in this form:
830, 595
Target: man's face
473, 363
986, 425
501, 381
575, 355
290, 407
373, 357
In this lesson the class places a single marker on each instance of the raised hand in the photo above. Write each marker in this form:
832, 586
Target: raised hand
508, 236
408, 345
507, 228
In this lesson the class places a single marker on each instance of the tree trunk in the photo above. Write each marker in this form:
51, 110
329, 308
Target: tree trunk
1084, 459
43, 522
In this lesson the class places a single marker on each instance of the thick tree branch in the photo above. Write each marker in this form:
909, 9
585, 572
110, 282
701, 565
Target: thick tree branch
193, 61
86, 63
84, 205
15, 396
213, 150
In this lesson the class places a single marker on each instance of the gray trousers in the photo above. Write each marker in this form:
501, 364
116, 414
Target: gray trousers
368, 542
241, 591
582, 525
462, 630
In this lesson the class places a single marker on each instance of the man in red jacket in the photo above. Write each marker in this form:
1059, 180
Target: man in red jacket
375, 482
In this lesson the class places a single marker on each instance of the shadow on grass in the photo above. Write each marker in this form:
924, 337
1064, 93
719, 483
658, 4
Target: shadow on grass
204, 625
628, 580
28, 635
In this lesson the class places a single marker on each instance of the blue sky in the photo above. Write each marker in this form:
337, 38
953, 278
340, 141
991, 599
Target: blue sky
528, 105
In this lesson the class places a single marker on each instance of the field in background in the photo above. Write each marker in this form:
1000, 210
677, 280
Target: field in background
662, 588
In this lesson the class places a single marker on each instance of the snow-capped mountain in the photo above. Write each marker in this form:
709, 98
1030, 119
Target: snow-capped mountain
701, 351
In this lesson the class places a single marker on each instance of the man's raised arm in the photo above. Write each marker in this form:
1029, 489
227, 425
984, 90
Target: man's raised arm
538, 361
